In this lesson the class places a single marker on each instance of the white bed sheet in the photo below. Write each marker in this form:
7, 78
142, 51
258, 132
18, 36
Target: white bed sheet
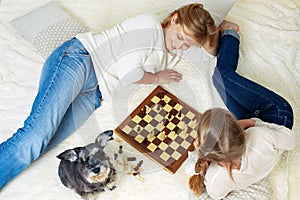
270, 55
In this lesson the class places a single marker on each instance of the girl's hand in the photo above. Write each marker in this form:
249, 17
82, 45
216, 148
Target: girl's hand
246, 123
168, 76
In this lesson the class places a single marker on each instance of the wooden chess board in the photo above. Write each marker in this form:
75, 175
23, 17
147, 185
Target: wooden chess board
163, 128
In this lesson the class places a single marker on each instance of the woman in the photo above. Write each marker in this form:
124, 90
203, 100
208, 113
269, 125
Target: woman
135, 51
234, 154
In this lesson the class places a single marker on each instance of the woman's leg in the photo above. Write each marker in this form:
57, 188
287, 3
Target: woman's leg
79, 111
65, 75
243, 97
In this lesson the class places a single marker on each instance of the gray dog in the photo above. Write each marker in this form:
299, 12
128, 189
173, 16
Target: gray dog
88, 169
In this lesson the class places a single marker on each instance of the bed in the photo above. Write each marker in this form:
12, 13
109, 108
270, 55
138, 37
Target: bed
269, 55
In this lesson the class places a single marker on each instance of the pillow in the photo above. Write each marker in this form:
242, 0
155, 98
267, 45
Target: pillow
218, 8
259, 190
47, 27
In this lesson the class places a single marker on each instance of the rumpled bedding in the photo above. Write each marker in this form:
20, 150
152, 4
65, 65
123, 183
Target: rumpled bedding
269, 55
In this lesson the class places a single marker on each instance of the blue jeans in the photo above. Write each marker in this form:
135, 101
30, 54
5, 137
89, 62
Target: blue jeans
243, 97
68, 93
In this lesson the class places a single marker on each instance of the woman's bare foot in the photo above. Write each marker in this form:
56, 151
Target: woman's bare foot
227, 25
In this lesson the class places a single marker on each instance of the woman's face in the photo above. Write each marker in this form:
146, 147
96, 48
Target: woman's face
177, 36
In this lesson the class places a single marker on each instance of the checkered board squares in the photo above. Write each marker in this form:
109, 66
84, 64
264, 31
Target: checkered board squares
163, 128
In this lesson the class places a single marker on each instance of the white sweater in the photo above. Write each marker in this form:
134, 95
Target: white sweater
265, 144
121, 54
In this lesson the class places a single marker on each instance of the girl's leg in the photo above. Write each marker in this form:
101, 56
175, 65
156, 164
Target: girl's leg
243, 97
65, 75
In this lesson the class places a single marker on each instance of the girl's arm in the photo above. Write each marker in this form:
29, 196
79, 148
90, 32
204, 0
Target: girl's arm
246, 123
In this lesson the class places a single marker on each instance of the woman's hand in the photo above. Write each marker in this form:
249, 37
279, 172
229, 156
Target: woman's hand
161, 77
168, 76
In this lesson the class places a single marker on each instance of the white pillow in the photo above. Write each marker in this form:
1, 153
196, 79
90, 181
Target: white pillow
47, 27
260, 190
218, 8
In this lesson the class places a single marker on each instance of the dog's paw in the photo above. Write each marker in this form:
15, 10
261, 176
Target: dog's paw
90, 196
111, 185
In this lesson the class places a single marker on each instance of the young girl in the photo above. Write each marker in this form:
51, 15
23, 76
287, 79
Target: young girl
88, 67
234, 154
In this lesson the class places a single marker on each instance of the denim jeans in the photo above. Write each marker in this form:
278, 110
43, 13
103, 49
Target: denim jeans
68, 93
243, 97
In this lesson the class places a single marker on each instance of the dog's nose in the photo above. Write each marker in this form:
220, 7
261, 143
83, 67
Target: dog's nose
96, 170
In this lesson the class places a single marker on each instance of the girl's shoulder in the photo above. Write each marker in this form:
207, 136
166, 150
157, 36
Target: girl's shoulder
277, 136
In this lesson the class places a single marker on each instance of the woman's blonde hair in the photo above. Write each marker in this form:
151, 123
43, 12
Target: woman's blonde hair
220, 139
197, 20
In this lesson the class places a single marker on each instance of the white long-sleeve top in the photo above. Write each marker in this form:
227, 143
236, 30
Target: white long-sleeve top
120, 55
265, 144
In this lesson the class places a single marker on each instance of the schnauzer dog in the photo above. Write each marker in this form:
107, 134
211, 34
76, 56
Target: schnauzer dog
88, 169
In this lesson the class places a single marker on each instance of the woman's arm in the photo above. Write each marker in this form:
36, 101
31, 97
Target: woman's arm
211, 44
161, 77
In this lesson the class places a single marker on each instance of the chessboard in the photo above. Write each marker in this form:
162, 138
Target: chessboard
163, 128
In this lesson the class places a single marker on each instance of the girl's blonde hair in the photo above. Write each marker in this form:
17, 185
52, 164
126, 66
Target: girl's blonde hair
220, 139
197, 20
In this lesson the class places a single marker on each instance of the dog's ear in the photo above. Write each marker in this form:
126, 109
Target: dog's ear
70, 155
104, 138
